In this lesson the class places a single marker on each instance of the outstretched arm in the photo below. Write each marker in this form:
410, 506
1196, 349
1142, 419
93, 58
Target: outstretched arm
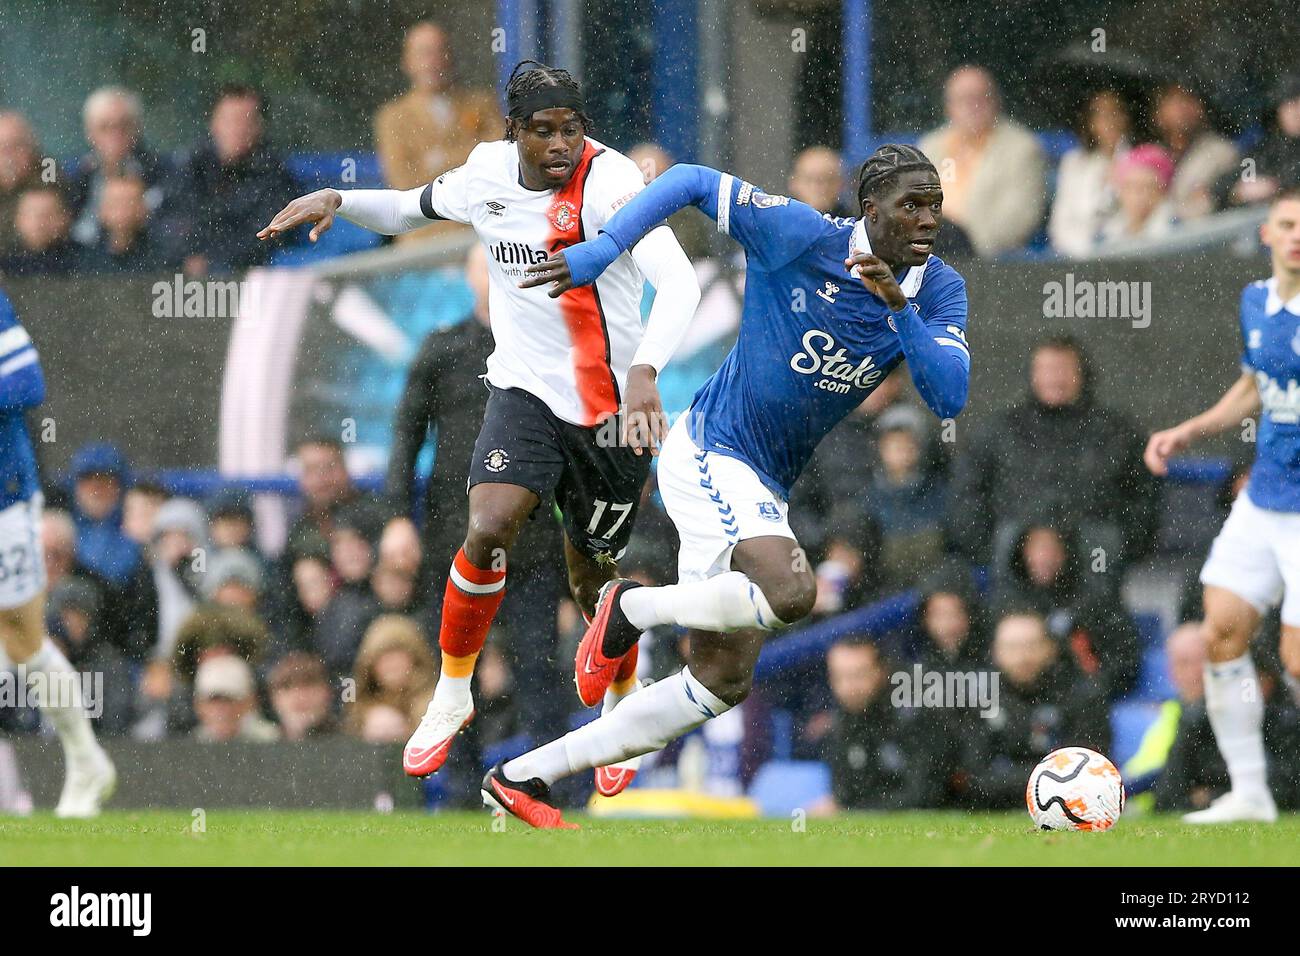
1238, 403
386, 211
681, 186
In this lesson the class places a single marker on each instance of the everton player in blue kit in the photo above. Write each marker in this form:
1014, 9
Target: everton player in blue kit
26, 653
1254, 562
831, 307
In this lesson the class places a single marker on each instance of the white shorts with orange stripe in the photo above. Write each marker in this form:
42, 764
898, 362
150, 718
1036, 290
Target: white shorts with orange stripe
716, 502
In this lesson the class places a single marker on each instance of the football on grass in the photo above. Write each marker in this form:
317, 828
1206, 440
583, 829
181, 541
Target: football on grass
1075, 789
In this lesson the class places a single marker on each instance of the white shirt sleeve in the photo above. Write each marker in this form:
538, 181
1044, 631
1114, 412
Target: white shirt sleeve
677, 295
386, 211
394, 211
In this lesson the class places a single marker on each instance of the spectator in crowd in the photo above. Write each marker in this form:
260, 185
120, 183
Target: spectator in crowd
233, 578
951, 631
945, 753
818, 179
906, 502
140, 506
325, 488
59, 549
230, 521
99, 473
310, 589
1085, 193
1199, 154
352, 545
395, 589
209, 631
301, 697
125, 240
20, 170
1274, 164
695, 233
112, 117
1043, 703
1145, 211
395, 674
225, 702
75, 615
337, 630
443, 393
992, 168
1080, 603
434, 125
866, 744
1059, 451
42, 225
166, 588
225, 187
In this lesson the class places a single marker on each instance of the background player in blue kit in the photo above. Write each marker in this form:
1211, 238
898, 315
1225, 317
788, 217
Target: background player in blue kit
1255, 561
25, 652
814, 342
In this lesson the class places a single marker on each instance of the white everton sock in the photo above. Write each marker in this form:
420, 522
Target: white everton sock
62, 704
642, 723
724, 602
1236, 711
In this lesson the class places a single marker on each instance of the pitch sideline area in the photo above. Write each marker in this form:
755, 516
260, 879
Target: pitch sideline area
268, 838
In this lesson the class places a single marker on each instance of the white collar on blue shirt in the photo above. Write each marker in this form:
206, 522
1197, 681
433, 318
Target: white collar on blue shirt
1274, 304
858, 242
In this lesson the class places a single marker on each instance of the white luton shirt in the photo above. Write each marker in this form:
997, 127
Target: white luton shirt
572, 352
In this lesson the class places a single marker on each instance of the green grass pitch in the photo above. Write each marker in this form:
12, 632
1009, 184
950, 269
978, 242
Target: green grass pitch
269, 838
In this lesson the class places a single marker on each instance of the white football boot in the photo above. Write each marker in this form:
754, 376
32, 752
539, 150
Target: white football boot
1234, 807
90, 781
427, 750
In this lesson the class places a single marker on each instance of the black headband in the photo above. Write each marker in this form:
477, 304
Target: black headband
546, 98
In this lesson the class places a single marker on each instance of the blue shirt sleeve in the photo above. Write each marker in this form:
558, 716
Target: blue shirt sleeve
933, 336
1246, 365
22, 383
772, 229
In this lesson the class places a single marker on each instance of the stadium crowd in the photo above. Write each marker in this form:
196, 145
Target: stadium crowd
1142, 166
1017, 546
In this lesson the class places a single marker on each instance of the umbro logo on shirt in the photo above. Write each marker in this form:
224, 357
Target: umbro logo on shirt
495, 208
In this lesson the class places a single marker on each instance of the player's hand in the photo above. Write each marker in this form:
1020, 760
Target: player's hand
644, 423
554, 270
878, 278
318, 207
1164, 445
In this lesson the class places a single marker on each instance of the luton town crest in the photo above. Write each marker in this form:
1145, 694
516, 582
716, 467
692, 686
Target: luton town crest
563, 215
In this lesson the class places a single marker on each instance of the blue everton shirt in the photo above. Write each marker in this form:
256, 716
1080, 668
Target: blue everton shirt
813, 342
1270, 335
22, 386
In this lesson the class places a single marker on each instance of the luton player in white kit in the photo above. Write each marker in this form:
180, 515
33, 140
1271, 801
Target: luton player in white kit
1254, 563
561, 367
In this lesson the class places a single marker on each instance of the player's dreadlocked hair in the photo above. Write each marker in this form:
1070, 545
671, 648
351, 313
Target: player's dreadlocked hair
541, 87
886, 163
